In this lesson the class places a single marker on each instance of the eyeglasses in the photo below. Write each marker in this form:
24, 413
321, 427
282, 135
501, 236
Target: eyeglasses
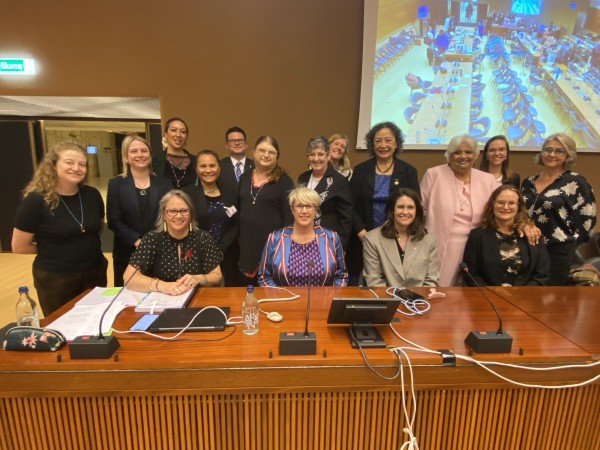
236, 141
317, 155
556, 151
502, 204
174, 212
497, 150
300, 207
263, 152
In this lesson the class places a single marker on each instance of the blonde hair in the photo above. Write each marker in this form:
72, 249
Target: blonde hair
162, 205
568, 144
304, 195
44, 179
125, 149
344, 165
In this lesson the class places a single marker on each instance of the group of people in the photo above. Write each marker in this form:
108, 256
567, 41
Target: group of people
182, 220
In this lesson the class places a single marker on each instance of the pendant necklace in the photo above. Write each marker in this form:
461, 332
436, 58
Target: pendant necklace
81, 227
386, 170
463, 202
143, 190
211, 191
178, 180
255, 196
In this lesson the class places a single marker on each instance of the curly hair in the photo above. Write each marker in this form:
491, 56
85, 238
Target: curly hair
488, 219
45, 179
370, 137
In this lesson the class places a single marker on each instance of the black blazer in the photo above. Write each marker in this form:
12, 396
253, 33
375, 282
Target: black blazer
229, 198
123, 212
362, 186
227, 176
482, 256
336, 202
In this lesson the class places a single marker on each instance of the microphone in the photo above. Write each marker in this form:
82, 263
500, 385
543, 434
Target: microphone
487, 341
98, 347
297, 342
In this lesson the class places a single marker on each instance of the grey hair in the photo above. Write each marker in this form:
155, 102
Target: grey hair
160, 221
567, 142
457, 141
317, 142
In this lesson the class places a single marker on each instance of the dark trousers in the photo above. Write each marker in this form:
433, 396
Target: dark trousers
561, 258
57, 288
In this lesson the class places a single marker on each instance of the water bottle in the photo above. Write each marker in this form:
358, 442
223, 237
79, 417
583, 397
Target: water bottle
250, 312
27, 313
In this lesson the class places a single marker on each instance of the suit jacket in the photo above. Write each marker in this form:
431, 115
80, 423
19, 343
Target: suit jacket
336, 202
383, 266
440, 201
229, 198
227, 176
273, 267
362, 186
123, 213
482, 256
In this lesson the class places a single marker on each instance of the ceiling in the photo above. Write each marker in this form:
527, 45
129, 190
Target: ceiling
83, 112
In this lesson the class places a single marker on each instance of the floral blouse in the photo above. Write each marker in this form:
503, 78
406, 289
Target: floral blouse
565, 210
161, 255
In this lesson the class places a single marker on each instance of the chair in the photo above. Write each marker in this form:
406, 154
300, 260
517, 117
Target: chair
535, 81
480, 127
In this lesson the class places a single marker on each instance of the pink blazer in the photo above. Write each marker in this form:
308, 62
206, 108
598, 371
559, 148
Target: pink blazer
440, 201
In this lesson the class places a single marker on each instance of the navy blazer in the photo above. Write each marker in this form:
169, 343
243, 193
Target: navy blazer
482, 256
336, 202
227, 175
229, 198
123, 212
362, 186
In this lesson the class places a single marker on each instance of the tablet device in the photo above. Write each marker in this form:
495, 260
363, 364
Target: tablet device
174, 320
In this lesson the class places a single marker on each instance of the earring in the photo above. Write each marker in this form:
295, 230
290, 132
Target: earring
191, 227
165, 226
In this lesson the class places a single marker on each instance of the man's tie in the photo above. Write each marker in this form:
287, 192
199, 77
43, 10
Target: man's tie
238, 170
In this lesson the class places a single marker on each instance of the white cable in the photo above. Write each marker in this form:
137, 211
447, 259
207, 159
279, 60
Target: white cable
282, 299
415, 307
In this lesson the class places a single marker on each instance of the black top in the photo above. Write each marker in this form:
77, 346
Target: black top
565, 211
61, 245
178, 177
158, 255
229, 198
483, 255
336, 202
131, 215
362, 188
270, 212
227, 176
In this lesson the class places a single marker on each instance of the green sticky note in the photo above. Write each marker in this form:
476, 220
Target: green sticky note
111, 291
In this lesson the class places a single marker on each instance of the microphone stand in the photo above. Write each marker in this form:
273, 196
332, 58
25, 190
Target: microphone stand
98, 347
487, 341
297, 342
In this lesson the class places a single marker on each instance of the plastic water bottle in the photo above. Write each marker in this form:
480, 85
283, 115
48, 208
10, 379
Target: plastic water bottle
27, 312
250, 312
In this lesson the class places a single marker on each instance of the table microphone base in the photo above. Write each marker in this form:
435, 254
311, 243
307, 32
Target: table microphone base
489, 342
296, 343
93, 347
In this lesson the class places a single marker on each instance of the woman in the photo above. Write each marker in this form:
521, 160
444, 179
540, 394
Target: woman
561, 203
333, 190
400, 252
216, 207
454, 196
372, 183
60, 220
303, 252
496, 156
177, 256
495, 253
176, 163
132, 201
338, 154
263, 204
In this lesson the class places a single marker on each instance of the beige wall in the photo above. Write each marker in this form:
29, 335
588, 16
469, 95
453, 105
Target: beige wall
286, 68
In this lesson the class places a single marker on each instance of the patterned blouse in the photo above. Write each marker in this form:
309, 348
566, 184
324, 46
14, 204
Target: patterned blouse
300, 254
564, 211
158, 255
510, 256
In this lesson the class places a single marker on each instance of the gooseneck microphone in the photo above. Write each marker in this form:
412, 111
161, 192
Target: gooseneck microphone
298, 342
98, 347
487, 341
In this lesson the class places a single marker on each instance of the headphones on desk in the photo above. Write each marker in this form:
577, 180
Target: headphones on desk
274, 316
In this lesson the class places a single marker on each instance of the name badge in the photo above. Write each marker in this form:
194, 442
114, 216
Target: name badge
230, 211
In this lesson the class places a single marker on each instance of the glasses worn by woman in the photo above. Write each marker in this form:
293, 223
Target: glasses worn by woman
177, 256
303, 253
496, 254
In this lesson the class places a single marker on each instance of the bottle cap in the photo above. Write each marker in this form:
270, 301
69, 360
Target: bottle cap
249, 288
23, 289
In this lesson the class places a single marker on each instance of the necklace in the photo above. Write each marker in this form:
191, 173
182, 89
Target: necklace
386, 170
461, 203
143, 186
255, 196
178, 179
81, 227
211, 191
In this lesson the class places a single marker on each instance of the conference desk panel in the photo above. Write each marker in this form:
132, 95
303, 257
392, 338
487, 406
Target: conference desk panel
239, 393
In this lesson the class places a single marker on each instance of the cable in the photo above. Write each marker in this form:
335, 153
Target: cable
282, 299
414, 306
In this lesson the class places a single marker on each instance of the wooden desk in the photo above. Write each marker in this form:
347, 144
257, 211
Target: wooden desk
240, 394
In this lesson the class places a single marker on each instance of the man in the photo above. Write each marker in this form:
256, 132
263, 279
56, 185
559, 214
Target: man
234, 165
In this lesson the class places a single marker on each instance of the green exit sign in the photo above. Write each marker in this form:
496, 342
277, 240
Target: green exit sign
17, 66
